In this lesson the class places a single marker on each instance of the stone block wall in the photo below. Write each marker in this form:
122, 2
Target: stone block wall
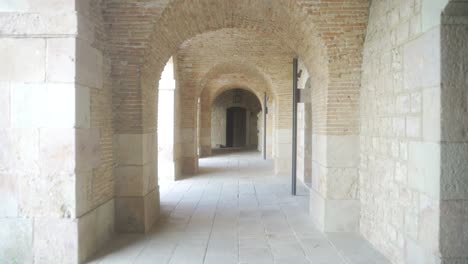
56, 126
406, 187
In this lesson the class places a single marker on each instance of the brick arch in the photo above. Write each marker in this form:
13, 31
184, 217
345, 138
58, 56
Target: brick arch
287, 20
228, 88
222, 78
231, 74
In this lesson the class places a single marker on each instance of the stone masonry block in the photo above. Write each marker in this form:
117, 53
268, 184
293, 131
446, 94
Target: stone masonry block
16, 238
22, 59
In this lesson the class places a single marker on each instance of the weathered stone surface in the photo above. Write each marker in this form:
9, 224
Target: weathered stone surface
22, 59
55, 240
36, 6
19, 153
16, 237
35, 105
38, 24
8, 195
61, 58
89, 65
137, 214
95, 229
4, 104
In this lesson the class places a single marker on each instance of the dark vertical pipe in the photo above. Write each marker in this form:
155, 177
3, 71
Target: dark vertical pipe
294, 130
265, 110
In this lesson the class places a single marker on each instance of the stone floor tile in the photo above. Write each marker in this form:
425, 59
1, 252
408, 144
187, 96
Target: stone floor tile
236, 212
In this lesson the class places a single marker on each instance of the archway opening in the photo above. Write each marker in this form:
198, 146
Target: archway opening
234, 120
166, 124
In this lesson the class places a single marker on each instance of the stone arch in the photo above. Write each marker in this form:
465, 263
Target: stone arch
246, 76
220, 105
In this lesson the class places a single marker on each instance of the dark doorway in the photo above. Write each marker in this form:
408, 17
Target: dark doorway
236, 129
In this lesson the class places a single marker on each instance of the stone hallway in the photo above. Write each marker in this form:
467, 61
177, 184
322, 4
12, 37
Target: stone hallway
235, 211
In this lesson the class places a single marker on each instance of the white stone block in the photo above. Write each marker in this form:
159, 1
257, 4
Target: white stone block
4, 104
342, 183
413, 127
8, 195
317, 209
343, 151
57, 151
432, 12
20, 151
16, 238
424, 168
61, 57
422, 61
22, 59
342, 215
319, 149
41, 105
415, 254
47, 195
50, 6
431, 114
39, 24
55, 241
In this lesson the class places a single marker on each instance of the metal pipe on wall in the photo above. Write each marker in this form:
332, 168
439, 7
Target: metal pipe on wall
294, 130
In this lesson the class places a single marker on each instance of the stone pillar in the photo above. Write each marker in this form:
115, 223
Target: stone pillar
137, 195
334, 201
205, 123
51, 146
186, 132
283, 134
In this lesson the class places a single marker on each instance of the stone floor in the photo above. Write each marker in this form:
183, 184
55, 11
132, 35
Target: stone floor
235, 211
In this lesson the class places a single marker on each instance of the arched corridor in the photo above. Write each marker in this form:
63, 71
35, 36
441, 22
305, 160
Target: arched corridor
119, 118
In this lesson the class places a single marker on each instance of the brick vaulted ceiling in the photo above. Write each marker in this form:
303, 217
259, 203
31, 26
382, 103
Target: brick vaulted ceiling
327, 35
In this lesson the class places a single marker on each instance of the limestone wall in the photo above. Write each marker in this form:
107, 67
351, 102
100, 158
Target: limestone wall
56, 124
400, 169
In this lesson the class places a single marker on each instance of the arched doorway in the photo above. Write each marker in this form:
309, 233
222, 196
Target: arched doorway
234, 120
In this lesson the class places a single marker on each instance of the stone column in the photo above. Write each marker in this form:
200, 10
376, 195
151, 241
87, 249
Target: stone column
135, 148
51, 146
334, 201
205, 123
186, 133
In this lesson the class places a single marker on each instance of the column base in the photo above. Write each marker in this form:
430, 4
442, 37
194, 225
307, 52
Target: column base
334, 215
136, 214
